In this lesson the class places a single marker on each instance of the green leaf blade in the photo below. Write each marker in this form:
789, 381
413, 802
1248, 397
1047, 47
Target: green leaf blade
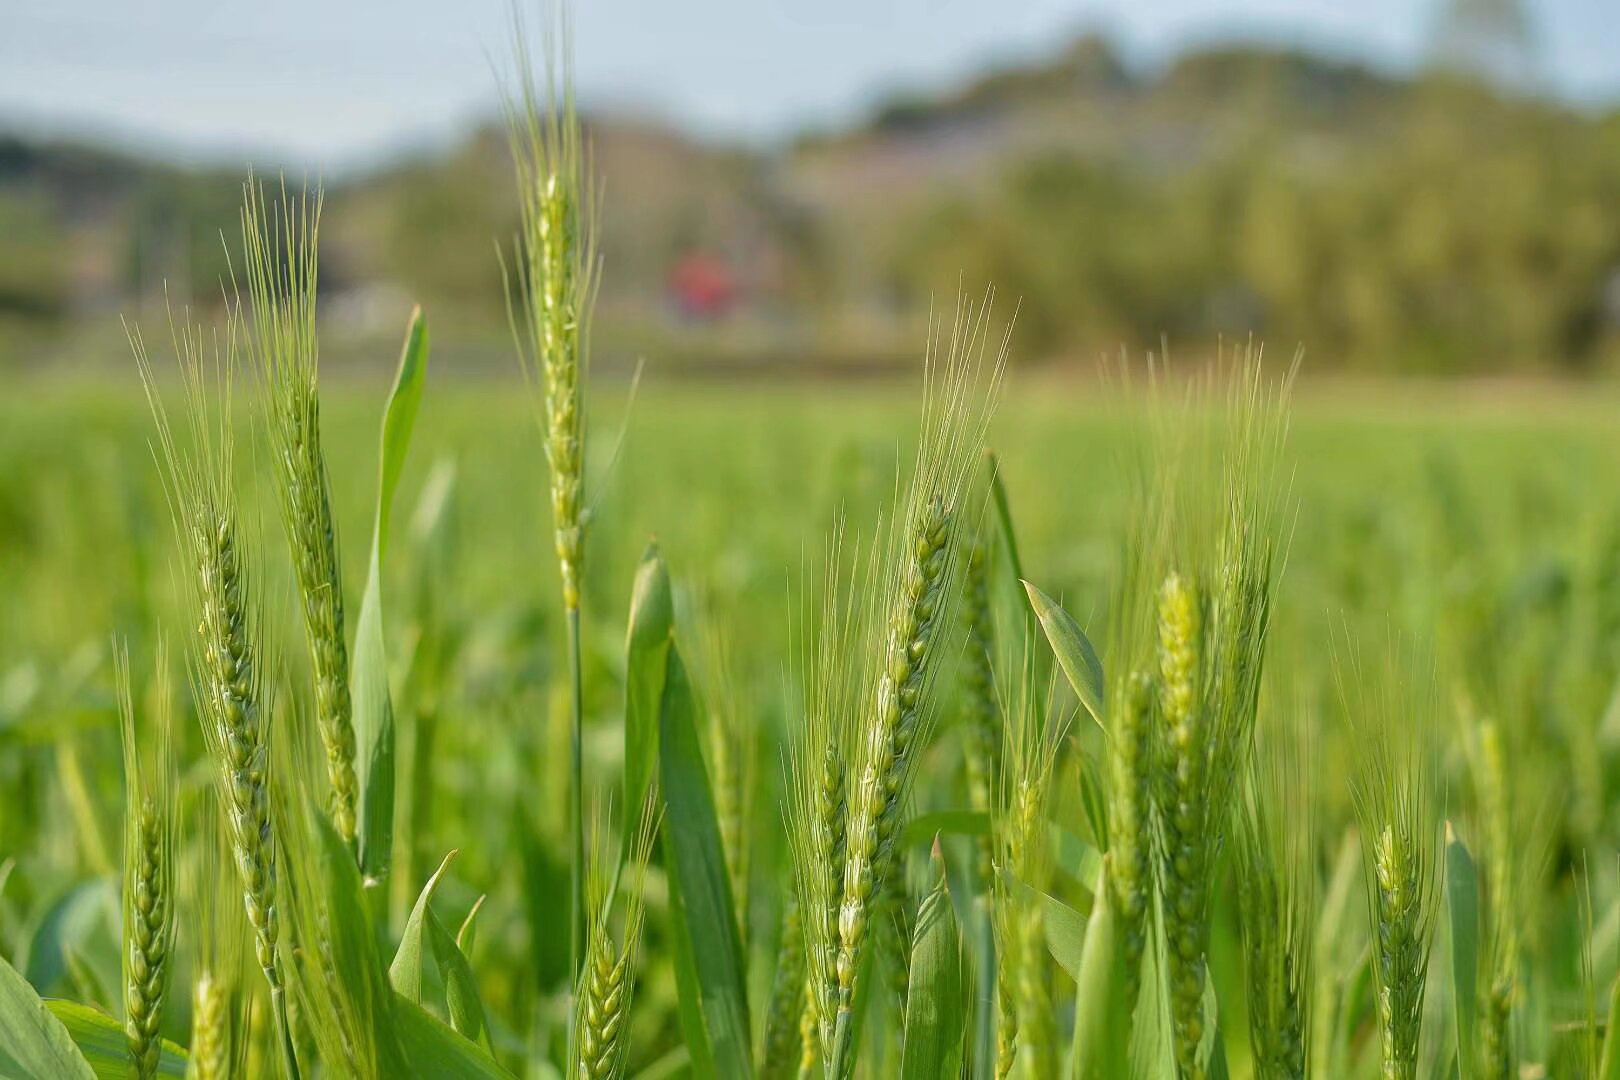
373, 711
647, 644
461, 998
936, 1018
105, 1047
1462, 908
405, 973
1102, 1020
1074, 651
33, 1041
698, 871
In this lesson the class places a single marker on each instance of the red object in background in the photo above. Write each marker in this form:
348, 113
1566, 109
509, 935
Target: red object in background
702, 286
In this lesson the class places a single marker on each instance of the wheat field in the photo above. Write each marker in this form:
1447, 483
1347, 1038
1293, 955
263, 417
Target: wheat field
1203, 718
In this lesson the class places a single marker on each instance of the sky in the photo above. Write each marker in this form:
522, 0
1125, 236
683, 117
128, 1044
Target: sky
336, 84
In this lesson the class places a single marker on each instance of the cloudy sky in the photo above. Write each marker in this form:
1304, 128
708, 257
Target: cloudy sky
336, 83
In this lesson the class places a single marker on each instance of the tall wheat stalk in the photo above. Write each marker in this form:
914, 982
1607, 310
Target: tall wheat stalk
890, 666
226, 660
149, 870
601, 1039
281, 246
1400, 842
1276, 873
557, 272
1220, 531
1026, 1034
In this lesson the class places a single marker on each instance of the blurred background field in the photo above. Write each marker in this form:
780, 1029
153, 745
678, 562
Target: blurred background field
1414, 187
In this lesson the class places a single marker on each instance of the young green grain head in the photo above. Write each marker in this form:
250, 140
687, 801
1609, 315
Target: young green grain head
782, 1050
557, 271
981, 713
226, 660
816, 799
1026, 1034
1216, 538
280, 250
607, 985
218, 998
1400, 841
915, 599
149, 869
1276, 875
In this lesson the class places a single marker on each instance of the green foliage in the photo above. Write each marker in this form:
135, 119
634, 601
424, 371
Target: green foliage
935, 1005
373, 709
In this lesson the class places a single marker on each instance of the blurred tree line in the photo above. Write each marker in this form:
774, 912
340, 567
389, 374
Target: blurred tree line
1471, 232
1436, 224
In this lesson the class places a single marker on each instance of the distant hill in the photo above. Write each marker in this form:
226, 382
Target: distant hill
1385, 221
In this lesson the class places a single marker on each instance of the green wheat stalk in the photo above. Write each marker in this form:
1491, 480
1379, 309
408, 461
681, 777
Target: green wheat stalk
149, 871
280, 252
557, 272
226, 661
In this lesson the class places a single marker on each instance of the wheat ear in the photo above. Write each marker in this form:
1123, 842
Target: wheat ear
217, 1020
981, 716
557, 273
815, 806
608, 982
225, 658
149, 872
1276, 861
1400, 838
281, 247
782, 1042
918, 597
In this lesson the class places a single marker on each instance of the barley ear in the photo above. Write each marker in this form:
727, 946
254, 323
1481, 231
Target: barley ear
557, 270
816, 799
225, 659
149, 869
908, 637
1275, 862
218, 998
600, 1043
781, 1050
1034, 734
280, 245
1400, 839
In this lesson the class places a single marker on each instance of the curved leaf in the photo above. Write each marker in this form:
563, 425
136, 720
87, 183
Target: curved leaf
712, 969
33, 1042
434, 1049
405, 973
1065, 928
935, 1006
647, 643
1073, 650
101, 1040
1102, 1018
1462, 906
461, 997
373, 712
